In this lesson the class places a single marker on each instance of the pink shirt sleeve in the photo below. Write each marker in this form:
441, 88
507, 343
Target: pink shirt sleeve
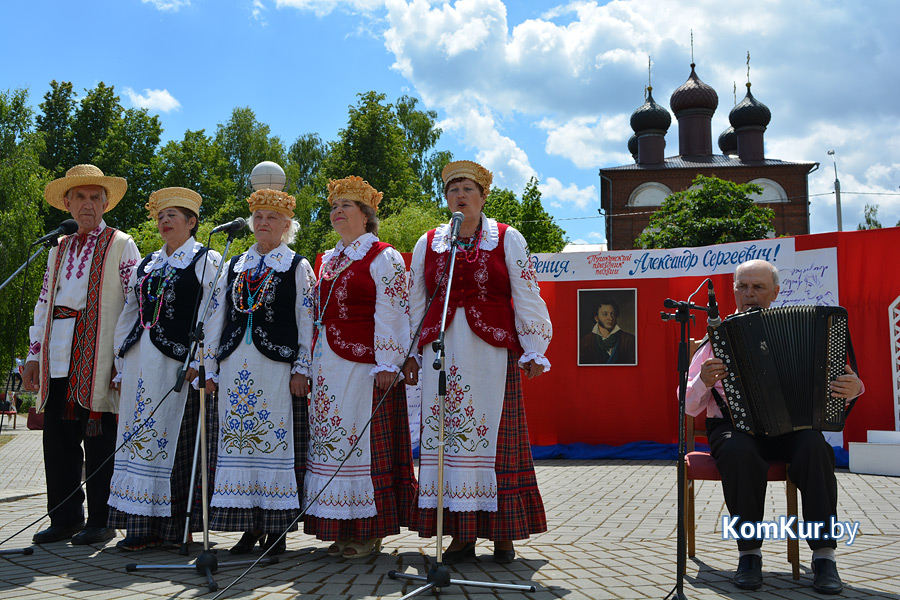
699, 397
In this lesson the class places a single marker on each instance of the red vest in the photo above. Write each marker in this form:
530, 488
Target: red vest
481, 287
349, 315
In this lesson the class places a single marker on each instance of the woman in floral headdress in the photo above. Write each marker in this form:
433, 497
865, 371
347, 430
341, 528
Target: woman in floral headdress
151, 482
497, 326
362, 329
261, 336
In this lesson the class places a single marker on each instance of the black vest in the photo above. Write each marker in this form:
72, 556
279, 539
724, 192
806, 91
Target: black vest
274, 322
178, 314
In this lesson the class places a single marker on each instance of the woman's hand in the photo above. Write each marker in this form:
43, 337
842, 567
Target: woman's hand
383, 379
411, 371
191, 375
299, 385
211, 387
532, 368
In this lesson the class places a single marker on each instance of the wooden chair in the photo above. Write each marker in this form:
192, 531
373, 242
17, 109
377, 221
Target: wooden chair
701, 466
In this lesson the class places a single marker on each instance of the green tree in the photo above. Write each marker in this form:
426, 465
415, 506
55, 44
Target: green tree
528, 216
197, 162
304, 159
128, 151
871, 218
96, 114
712, 211
421, 137
374, 146
55, 122
247, 142
22, 181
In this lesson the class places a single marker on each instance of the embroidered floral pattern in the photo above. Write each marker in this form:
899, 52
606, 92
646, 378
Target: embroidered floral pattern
145, 442
463, 430
527, 273
246, 426
334, 334
328, 437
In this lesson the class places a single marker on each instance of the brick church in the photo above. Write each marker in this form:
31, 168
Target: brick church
629, 193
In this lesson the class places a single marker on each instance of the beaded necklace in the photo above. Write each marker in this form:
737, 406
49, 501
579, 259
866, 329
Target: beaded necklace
257, 289
469, 250
165, 276
330, 272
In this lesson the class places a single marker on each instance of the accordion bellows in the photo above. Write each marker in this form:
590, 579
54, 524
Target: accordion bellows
780, 362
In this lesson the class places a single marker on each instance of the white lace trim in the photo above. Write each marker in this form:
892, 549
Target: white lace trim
538, 358
279, 259
389, 368
490, 236
356, 250
302, 369
180, 259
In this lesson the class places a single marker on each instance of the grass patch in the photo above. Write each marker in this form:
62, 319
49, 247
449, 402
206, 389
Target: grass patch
4, 439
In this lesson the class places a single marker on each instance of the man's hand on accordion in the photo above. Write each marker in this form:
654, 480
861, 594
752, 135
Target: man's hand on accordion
847, 386
713, 370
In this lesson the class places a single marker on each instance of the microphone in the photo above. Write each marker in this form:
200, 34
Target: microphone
231, 227
712, 310
455, 223
67, 227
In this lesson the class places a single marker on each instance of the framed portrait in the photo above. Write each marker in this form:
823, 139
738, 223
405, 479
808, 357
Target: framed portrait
607, 327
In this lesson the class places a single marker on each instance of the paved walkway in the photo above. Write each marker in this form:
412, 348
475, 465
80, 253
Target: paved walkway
612, 534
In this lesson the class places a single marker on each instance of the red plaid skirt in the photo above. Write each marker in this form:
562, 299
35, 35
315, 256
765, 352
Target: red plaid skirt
393, 477
520, 510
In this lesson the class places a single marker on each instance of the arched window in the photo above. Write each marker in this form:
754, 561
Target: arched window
772, 191
651, 193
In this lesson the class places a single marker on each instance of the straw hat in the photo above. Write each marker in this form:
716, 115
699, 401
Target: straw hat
469, 170
173, 196
79, 175
356, 189
272, 200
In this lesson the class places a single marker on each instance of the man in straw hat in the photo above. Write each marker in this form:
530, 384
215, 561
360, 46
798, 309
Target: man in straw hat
71, 355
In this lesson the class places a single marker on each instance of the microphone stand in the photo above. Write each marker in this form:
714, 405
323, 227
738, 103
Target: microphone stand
439, 575
682, 316
207, 563
43, 246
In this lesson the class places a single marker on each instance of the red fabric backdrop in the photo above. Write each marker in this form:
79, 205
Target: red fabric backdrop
620, 404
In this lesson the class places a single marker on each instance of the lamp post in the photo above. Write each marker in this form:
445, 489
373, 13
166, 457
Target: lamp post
837, 190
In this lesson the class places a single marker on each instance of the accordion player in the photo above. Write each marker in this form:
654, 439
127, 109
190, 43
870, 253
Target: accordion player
779, 363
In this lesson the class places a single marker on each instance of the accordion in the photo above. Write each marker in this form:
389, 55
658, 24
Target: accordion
780, 362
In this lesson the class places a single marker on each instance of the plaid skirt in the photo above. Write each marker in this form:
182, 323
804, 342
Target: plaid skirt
393, 477
256, 518
172, 528
520, 510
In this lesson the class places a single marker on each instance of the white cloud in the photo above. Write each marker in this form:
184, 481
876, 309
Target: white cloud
173, 5
582, 140
160, 100
257, 10
570, 194
325, 7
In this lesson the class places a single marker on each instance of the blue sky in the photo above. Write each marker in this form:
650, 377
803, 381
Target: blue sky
526, 87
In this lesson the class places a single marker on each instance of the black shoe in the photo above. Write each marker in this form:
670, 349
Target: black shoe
246, 543
825, 577
93, 535
279, 546
57, 533
467, 552
504, 557
749, 572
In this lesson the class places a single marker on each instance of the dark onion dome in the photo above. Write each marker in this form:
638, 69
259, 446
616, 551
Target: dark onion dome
728, 141
749, 112
650, 116
694, 94
633, 145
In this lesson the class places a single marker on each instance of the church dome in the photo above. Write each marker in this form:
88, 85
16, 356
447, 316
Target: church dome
728, 141
749, 112
693, 94
633, 145
650, 116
